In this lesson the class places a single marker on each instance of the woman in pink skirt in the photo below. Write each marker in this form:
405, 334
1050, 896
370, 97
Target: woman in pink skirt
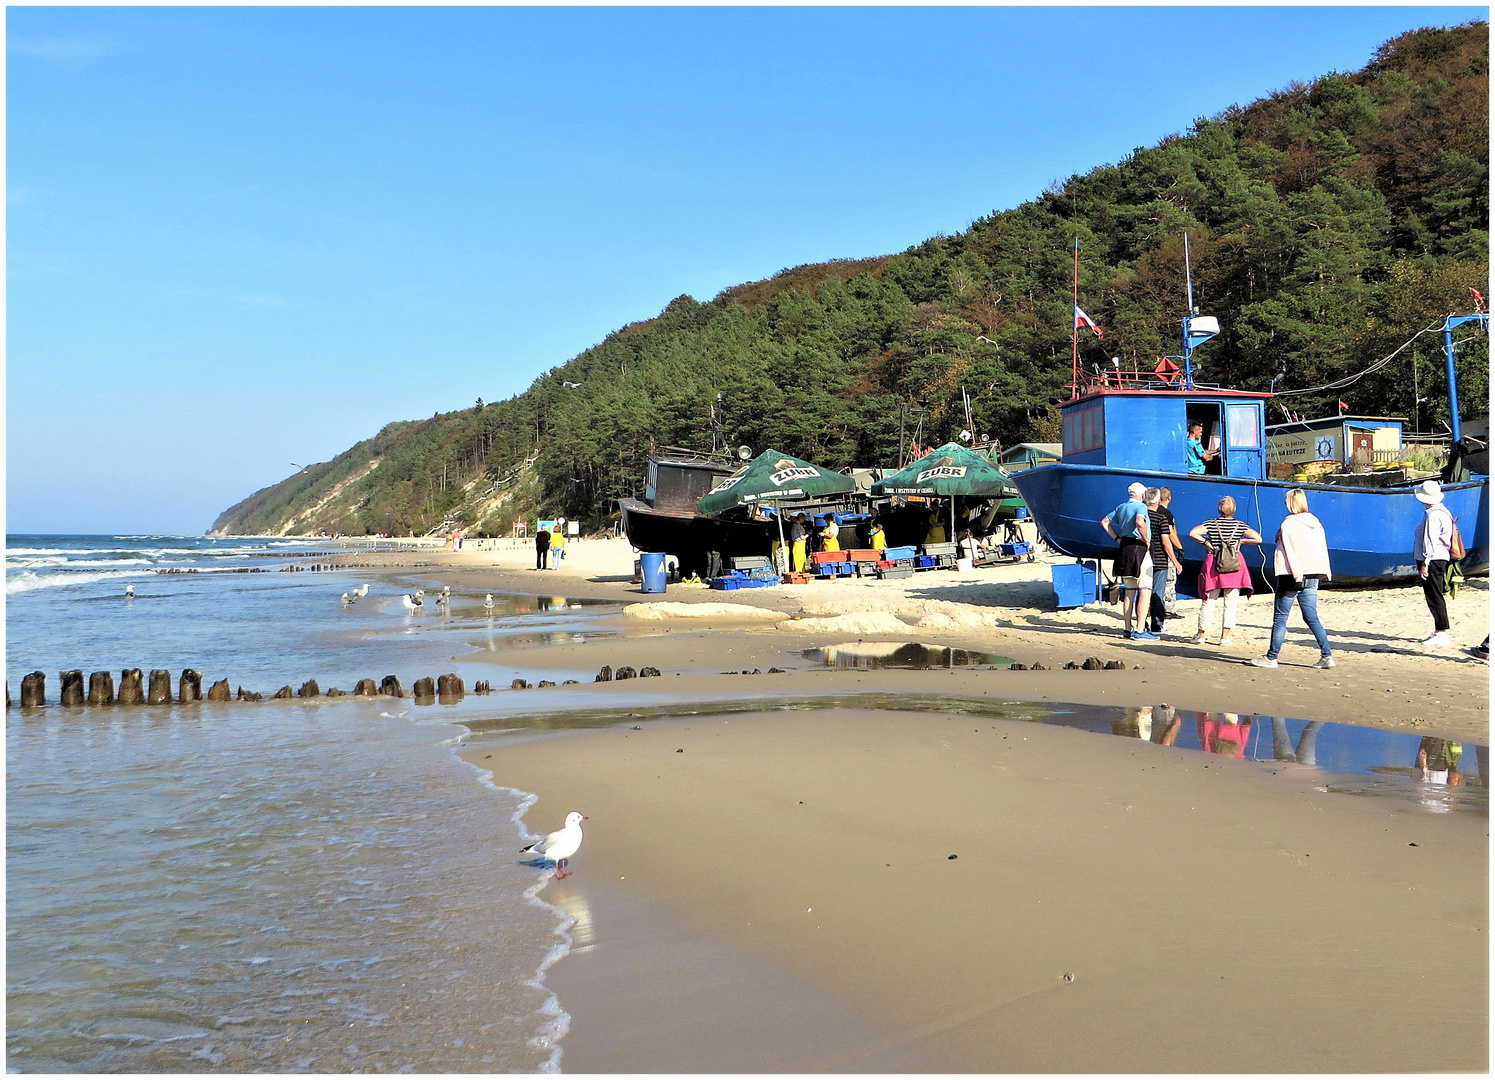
1215, 534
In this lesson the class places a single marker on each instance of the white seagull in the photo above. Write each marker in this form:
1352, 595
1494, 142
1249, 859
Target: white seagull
411, 604
419, 594
349, 601
560, 846
362, 590
129, 592
488, 601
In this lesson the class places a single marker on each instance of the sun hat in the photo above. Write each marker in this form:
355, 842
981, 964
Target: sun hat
1429, 493
1136, 491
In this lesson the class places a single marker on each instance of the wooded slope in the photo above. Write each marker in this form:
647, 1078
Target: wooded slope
1328, 222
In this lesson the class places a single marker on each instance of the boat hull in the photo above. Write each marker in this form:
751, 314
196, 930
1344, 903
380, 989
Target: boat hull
1370, 531
688, 537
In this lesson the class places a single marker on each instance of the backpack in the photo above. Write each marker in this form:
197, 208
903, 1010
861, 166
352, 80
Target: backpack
1227, 555
1456, 545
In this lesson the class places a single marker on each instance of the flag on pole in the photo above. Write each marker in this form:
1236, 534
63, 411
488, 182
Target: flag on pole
1479, 301
1082, 320
1343, 406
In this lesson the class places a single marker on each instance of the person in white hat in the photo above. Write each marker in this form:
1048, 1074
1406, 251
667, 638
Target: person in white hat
1431, 551
1128, 526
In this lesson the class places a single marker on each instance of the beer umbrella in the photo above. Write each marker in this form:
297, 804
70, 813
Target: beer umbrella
773, 478
948, 472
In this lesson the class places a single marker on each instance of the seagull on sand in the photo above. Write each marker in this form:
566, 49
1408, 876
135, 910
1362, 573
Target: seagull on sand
488, 602
560, 846
411, 604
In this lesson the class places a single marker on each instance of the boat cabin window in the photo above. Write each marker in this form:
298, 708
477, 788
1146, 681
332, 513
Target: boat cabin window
1244, 429
1208, 414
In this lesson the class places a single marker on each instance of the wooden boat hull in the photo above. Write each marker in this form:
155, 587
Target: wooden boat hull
688, 537
1370, 530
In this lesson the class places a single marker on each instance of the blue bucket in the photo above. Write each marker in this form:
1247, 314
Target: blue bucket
654, 572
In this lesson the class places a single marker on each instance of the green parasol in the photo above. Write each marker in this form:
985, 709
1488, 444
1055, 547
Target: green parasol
950, 471
772, 477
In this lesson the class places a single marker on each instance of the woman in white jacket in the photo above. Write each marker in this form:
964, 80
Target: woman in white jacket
1301, 562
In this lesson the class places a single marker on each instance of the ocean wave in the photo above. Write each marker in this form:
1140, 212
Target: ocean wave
40, 562
30, 581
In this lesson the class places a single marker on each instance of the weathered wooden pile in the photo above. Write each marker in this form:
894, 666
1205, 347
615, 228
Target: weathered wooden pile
135, 688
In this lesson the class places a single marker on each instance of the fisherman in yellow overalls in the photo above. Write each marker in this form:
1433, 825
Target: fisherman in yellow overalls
936, 534
797, 543
830, 536
878, 537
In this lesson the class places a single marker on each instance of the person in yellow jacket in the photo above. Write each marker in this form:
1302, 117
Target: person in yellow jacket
797, 534
936, 534
830, 536
558, 543
878, 537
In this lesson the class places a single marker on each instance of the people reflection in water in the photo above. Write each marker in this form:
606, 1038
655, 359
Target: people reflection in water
1158, 724
1306, 752
1226, 735
1438, 761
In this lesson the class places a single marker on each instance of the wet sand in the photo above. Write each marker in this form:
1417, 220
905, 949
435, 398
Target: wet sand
1383, 679
1215, 915
773, 892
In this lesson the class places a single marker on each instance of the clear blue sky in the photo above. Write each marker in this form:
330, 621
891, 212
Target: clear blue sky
245, 237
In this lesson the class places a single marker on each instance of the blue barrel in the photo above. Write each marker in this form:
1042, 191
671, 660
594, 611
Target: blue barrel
654, 572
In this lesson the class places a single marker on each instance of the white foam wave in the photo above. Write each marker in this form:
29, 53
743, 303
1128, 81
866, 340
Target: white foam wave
30, 581
38, 562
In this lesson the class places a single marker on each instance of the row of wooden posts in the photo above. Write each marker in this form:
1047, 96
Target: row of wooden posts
134, 689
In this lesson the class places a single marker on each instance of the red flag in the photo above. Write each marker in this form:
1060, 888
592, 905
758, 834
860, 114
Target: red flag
1479, 301
1343, 406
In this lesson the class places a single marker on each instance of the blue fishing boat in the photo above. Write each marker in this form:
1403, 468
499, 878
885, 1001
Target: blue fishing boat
1126, 427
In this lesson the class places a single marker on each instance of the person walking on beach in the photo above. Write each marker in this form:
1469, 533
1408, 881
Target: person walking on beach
1127, 525
797, 543
1432, 552
558, 545
542, 547
1224, 573
1301, 562
1160, 547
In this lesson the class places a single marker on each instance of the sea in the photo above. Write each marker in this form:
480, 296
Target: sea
314, 885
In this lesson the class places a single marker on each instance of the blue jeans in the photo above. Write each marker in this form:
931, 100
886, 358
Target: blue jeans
1307, 599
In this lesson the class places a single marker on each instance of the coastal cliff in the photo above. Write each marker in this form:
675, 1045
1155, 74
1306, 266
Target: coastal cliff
1328, 222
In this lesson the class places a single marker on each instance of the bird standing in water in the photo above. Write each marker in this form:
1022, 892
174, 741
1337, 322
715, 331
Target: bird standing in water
129, 592
488, 602
559, 846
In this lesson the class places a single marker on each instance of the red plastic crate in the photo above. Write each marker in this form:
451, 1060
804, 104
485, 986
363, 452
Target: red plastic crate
862, 555
820, 558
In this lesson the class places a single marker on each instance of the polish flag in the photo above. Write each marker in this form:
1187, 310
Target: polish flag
1082, 320
1479, 301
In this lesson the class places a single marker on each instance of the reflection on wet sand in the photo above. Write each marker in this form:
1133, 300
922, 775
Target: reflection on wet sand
912, 655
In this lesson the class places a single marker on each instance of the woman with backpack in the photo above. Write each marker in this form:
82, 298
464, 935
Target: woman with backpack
1224, 573
1301, 562
1436, 545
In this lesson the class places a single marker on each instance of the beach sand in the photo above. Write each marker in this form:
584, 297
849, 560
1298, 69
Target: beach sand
1384, 677
771, 891
779, 896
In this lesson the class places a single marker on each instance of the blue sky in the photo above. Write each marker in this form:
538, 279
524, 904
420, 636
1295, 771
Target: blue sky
244, 237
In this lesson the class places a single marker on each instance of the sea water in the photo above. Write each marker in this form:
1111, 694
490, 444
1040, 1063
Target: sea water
313, 885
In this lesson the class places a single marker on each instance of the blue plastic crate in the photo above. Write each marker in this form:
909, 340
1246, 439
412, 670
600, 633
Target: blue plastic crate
726, 584
1074, 584
894, 554
927, 562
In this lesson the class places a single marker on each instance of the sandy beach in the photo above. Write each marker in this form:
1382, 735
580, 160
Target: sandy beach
774, 890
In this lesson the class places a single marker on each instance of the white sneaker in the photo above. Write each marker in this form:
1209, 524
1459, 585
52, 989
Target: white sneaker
1263, 661
1438, 640
1325, 662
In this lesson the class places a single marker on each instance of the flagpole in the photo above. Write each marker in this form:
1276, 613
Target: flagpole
1074, 330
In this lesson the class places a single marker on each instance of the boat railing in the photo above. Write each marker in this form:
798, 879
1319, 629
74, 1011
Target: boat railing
1164, 376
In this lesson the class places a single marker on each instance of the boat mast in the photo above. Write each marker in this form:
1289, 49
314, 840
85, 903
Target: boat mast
1188, 314
1074, 331
1455, 427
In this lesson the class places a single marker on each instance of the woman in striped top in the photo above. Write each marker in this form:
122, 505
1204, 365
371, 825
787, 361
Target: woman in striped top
1216, 534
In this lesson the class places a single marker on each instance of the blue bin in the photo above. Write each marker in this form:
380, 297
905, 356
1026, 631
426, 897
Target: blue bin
1074, 584
654, 573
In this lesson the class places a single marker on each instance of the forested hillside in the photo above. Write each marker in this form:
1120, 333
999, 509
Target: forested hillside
1328, 222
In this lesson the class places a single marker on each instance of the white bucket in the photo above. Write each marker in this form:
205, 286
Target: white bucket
965, 566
